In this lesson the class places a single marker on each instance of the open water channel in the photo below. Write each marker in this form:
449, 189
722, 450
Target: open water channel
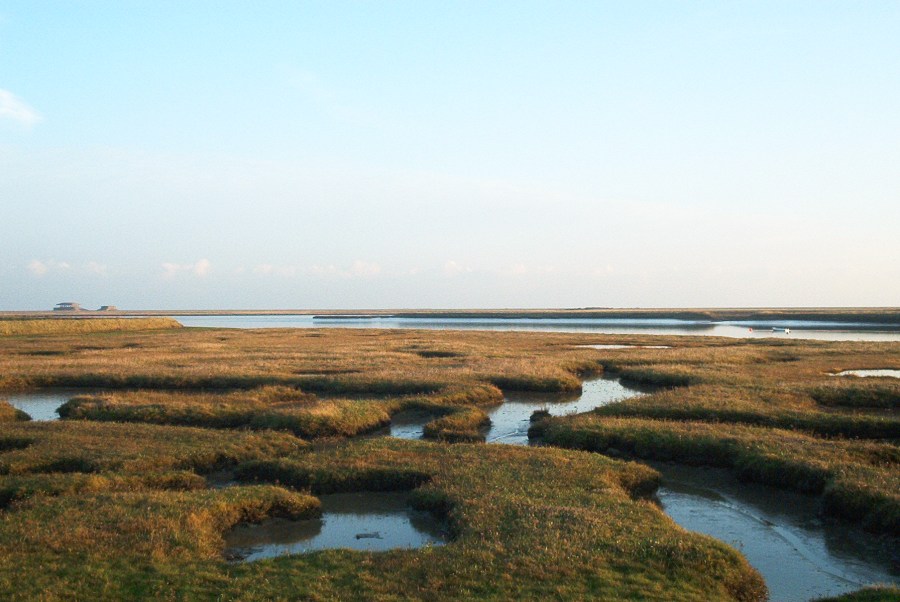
779, 532
799, 329
42, 405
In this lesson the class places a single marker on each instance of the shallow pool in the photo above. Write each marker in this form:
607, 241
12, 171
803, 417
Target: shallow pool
42, 405
358, 521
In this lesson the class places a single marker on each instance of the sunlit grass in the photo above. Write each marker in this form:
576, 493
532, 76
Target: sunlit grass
61, 326
124, 470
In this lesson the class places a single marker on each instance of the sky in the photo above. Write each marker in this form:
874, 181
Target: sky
430, 154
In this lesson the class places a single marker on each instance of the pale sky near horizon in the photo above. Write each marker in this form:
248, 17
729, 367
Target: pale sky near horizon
449, 154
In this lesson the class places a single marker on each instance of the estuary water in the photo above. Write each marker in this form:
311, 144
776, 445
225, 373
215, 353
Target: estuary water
797, 329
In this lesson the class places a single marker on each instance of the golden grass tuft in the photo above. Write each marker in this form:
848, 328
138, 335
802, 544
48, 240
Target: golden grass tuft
67, 326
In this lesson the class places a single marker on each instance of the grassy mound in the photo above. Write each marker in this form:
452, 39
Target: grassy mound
11, 414
61, 326
859, 481
761, 405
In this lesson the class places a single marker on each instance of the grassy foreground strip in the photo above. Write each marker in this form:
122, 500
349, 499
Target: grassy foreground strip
82, 326
527, 523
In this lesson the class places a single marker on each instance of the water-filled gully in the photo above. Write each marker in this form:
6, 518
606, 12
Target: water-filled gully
364, 521
883, 373
779, 532
42, 405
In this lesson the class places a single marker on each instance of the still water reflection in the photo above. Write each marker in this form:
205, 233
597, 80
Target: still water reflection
831, 331
800, 556
42, 405
357, 521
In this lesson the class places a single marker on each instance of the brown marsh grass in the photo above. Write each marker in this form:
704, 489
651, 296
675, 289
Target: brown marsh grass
83, 326
527, 523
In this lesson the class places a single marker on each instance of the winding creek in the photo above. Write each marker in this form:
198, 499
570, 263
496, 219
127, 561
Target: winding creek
779, 532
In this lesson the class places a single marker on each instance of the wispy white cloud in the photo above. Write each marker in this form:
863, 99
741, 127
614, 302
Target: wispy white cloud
453, 267
39, 267
202, 267
365, 269
357, 269
199, 268
93, 267
14, 108
276, 270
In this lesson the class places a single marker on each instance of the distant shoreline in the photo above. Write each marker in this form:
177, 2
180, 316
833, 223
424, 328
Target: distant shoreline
888, 316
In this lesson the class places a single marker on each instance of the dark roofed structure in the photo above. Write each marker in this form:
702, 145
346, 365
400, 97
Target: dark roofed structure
67, 306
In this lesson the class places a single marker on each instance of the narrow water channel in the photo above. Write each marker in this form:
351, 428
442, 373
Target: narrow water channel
511, 419
358, 521
885, 373
779, 532
42, 405
800, 556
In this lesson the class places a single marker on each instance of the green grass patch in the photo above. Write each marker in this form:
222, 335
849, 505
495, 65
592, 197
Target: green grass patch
67, 326
883, 393
134, 448
858, 481
760, 406
466, 425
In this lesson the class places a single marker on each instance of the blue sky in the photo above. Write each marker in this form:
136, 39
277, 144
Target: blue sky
449, 154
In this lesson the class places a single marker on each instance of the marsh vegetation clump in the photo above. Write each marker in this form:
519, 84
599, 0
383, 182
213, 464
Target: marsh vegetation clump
10, 414
62, 326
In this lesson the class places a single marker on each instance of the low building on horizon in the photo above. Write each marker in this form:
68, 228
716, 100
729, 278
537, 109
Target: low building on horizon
67, 306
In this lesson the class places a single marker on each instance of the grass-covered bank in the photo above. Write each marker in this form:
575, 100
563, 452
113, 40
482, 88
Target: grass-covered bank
62, 326
771, 412
329, 362
859, 481
289, 409
526, 523
11, 414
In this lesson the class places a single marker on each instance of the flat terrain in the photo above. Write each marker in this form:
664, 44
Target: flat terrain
886, 316
114, 502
